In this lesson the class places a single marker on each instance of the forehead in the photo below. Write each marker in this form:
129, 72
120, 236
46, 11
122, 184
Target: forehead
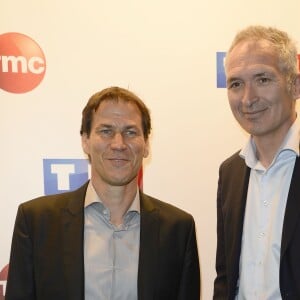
251, 54
118, 110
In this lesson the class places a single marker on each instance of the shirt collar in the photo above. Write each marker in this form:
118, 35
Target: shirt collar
91, 197
290, 143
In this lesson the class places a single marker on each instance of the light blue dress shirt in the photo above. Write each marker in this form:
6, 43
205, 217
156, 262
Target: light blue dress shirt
111, 253
266, 201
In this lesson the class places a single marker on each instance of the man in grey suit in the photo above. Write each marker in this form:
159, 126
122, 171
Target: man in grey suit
258, 201
106, 240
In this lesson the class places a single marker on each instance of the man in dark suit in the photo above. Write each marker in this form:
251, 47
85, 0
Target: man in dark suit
258, 200
106, 240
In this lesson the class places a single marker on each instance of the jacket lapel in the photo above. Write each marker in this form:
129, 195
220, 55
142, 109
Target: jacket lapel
236, 195
292, 211
72, 217
149, 245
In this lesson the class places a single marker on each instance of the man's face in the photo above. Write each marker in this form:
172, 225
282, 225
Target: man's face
258, 91
116, 145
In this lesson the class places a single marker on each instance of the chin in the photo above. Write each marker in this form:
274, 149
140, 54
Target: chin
120, 181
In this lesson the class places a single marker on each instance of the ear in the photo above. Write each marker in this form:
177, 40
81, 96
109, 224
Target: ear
85, 143
146, 150
296, 87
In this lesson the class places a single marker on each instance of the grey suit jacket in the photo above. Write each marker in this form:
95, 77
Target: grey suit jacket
231, 203
46, 260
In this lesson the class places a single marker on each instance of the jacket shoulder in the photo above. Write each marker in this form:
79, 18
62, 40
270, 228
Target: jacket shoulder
166, 210
234, 162
55, 201
235, 157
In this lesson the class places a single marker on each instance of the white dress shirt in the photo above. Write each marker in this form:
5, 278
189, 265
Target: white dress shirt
265, 208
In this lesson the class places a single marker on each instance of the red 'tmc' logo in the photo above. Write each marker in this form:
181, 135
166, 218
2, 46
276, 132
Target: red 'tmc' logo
22, 63
3, 278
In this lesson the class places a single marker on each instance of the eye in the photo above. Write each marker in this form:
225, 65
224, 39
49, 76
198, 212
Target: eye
131, 132
234, 85
263, 80
106, 132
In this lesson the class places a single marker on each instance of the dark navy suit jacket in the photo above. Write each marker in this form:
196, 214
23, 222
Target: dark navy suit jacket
46, 260
231, 203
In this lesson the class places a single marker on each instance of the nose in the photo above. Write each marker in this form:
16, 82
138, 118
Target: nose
250, 95
117, 142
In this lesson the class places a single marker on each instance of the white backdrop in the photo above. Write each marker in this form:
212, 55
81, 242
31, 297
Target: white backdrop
165, 52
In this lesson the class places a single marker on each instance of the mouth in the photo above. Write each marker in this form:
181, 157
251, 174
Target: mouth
118, 162
254, 113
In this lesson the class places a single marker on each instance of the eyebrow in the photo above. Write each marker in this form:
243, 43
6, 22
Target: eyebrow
231, 79
261, 74
103, 125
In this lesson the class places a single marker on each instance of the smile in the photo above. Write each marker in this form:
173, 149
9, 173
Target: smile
255, 113
118, 162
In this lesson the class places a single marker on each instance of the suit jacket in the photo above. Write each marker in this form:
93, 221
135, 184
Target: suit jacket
46, 260
231, 203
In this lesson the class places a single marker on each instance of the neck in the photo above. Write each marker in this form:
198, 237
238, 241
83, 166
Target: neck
266, 152
117, 199
268, 145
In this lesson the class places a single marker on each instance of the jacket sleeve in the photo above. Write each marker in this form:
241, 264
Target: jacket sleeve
20, 281
190, 279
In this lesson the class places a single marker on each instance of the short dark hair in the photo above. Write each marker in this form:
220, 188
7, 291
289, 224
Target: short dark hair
114, 94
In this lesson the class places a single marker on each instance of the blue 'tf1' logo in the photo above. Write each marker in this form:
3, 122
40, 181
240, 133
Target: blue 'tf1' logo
221, 78
63, 175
